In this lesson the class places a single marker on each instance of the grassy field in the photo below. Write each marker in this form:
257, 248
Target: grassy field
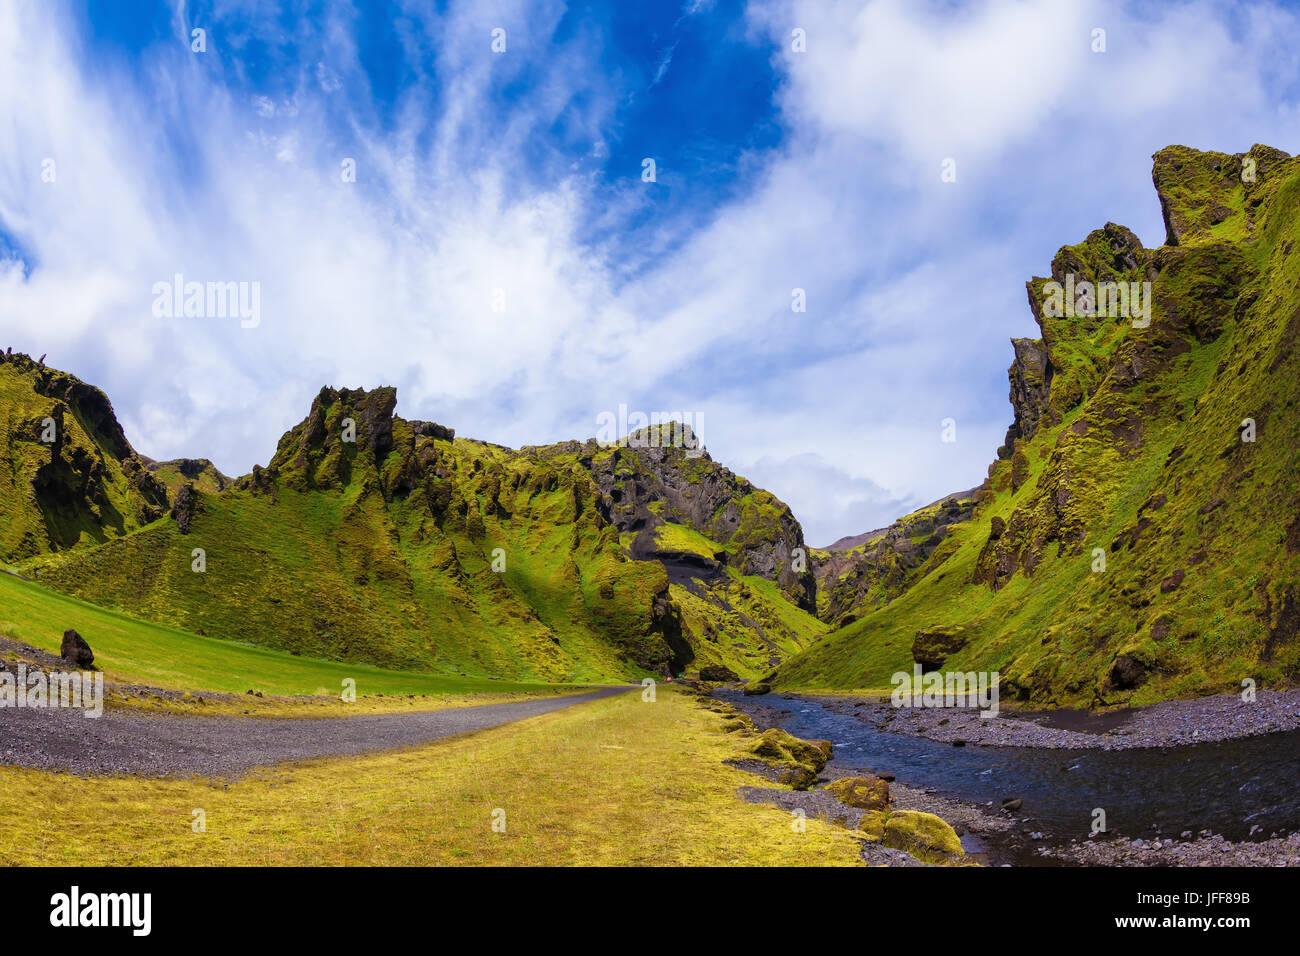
133, 651
613, 782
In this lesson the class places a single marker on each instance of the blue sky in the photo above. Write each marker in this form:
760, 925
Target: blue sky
514, 179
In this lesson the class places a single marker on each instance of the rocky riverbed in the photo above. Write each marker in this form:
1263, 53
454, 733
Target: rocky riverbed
1165, 803
1167, 724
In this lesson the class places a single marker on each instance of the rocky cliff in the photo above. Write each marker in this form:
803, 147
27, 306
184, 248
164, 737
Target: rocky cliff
1137, 535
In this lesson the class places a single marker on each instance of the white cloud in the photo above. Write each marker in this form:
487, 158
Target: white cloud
913, 285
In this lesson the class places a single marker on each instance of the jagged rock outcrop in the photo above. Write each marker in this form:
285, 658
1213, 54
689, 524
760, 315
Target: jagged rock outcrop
184, 507
372, 538
652, 480
1206, 194
70, 476
1031, 383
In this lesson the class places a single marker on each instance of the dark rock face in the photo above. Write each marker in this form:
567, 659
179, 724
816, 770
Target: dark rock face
433, 430
79, 474
92, 405
934, 645
1128, 672
718, 672
75, 650
695, 491
185, 506
1031, 382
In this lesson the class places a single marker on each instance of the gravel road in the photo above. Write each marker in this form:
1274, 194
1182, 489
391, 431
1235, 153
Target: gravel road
171, 746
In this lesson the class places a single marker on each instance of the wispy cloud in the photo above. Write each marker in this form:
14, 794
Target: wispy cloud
481, 182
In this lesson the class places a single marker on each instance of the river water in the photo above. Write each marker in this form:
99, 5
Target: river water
1230, 787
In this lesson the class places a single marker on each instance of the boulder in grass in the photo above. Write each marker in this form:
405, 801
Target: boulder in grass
75, 651
921, 834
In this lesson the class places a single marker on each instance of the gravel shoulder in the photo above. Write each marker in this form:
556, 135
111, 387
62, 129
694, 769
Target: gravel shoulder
170, 746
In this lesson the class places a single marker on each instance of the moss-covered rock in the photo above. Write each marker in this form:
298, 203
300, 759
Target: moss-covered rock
718, 673
872, 825
865, 793
918, 832
798, 778
924, 835
800, 761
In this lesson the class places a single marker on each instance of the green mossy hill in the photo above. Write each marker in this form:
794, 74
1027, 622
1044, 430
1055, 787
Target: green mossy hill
873, 572
371, 538
68, 477
1137, 537
199, 472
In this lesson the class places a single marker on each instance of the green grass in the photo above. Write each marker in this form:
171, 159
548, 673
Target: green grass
136, 651
615, 782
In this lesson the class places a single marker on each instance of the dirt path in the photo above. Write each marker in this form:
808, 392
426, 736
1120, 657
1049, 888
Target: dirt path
164, 745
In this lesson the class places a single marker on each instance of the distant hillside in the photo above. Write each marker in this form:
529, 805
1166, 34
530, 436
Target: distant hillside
1139, 534
199, 472
881, 565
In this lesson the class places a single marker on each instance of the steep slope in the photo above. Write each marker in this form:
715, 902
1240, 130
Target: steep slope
371, 538
68, 476
1138, 536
